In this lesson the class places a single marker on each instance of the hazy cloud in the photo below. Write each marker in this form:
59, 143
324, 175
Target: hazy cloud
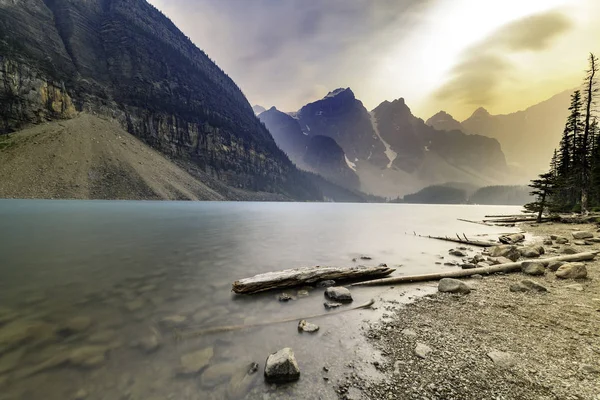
476, 78
289, 52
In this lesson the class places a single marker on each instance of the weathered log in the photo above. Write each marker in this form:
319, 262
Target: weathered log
461, 241
474, 222
509, 267
525, 215
308, 275
514, 220
512, 238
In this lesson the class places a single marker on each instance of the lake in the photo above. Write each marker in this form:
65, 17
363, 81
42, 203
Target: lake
95, 295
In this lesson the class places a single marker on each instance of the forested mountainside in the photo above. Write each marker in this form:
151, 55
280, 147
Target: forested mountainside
124, 60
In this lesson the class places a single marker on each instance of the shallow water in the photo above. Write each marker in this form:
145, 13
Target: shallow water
128, 265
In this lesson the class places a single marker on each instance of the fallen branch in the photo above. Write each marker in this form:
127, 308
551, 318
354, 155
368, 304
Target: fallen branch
308, 275
509, 267
180, 334
461, 241
474, 222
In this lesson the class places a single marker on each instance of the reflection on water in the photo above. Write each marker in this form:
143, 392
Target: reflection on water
91, 293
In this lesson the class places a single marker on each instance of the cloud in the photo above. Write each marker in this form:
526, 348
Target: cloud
286, 52
475, 80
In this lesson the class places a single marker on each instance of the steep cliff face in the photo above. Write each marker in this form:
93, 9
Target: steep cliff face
327, 158
314, 153
287, 134
125, 60
342, 117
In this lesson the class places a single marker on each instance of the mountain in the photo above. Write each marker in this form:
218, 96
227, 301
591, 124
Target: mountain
392, 151
326, 157
342, 117
258, 109
442, 121
287, 134
423, 150
315, 153
125, 61
528, 137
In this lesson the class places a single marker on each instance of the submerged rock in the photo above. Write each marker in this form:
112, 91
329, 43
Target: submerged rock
282, 367
90, 356
106, 336
533, 268
457, 253
284, 297
304, 326
194, 362
19, 331
173, 321
330, 304
218, 374
241, 382
76, 325
575, 270
150, 343
10, 361
338, 294
135, 305
302, 293
449, 285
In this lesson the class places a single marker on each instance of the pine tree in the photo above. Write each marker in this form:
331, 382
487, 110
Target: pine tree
543, 189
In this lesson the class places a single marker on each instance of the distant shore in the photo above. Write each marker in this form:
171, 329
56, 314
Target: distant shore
494, 342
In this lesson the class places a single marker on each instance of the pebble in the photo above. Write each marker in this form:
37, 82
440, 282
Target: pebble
501, 359
422, 350
304, 326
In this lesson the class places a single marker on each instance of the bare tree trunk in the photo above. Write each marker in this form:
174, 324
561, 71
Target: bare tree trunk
590, 90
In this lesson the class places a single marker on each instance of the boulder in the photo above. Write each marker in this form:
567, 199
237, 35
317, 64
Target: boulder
529, 252
457, 253
533, 268
499, 260
422, 350
304, 326
575, 270
508, 251
501, 359
449, 285
569, 250
554, 265
517, 288
282, 367
339, 294
194, 362
533, 286
582, 235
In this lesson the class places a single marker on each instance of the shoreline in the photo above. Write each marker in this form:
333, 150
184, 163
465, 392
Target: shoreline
493, 342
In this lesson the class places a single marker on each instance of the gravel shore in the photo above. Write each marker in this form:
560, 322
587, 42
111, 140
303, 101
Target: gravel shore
494, 343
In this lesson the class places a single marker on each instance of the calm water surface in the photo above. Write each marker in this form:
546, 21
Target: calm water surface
123, 267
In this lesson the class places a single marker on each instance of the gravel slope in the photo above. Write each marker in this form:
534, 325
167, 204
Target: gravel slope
552, 340
91, 158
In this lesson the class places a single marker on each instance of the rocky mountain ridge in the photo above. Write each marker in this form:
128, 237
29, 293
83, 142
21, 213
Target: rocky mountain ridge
392, 151
125, 60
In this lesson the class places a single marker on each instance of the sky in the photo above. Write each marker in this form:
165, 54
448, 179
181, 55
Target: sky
452, 55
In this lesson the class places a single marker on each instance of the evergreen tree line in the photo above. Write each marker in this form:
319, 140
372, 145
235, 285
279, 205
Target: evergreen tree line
573, 182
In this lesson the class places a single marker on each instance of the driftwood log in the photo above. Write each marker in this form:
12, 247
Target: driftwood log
509, 267
460, 240
511, 216
475, 222
308, 275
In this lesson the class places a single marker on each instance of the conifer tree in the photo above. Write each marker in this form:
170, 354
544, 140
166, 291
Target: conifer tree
591, 90
543, 188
